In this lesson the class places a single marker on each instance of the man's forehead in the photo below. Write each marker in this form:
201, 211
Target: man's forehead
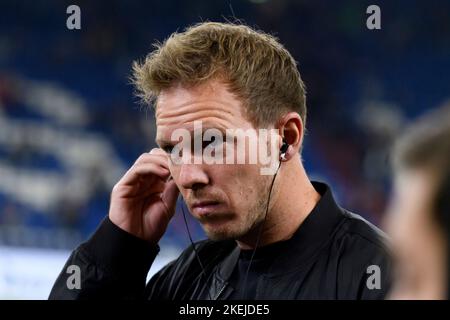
181, 94
181, 108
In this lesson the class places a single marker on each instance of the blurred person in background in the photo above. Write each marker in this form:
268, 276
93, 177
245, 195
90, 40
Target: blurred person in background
418, 218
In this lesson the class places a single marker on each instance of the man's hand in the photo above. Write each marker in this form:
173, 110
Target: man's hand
143, 201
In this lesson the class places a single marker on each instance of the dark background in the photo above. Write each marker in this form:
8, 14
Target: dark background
70, 124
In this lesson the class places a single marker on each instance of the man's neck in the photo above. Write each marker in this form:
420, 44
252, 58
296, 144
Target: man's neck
292, 200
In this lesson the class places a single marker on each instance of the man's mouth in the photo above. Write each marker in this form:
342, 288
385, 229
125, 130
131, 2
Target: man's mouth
204, 209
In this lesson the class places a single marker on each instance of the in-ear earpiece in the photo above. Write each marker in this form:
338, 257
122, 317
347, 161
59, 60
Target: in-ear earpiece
284, 148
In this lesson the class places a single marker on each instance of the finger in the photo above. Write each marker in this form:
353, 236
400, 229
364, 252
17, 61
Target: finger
162, 162
158, 151
161, 152
143, 170
149, 157
161, 159
148, 189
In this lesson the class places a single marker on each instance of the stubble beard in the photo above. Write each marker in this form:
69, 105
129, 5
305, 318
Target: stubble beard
247, 225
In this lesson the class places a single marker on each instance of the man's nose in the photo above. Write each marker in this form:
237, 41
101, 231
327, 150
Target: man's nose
192, 176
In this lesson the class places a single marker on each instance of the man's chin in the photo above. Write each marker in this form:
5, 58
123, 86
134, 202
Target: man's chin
218, 236
227, 230
221, 235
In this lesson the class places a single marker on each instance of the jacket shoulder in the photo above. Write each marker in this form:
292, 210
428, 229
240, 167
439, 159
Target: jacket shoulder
176, 279
363, 250
355, 226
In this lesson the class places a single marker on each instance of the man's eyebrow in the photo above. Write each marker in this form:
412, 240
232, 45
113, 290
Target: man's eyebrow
163, 142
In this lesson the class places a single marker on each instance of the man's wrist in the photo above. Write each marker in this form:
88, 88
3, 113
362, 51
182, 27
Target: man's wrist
119, 251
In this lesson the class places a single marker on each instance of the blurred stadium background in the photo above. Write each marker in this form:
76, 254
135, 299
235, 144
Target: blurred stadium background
70, 125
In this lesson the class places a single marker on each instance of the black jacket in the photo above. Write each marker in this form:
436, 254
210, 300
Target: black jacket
330, 257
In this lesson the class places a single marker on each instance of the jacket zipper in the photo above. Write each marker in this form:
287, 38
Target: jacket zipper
220, 291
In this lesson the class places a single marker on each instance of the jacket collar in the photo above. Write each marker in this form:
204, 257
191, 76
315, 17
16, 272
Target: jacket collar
314, 232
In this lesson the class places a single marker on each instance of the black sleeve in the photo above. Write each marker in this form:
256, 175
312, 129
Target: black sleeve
111, 264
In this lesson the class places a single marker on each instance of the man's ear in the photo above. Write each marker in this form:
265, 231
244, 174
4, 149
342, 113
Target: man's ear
290, 127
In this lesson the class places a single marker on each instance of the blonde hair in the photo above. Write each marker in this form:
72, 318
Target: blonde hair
254, 65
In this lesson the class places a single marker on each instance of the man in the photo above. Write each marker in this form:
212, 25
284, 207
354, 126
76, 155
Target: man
271, 236
419, 213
